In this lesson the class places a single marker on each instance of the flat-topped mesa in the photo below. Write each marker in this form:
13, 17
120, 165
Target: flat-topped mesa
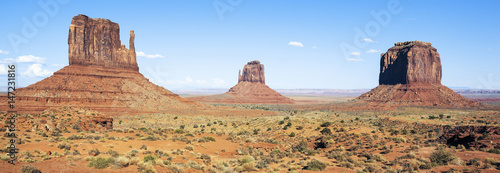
253, 72
410, 62
97, 42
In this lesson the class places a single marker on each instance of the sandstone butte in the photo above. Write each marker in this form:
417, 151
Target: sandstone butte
410, 75
251, 89
102, 75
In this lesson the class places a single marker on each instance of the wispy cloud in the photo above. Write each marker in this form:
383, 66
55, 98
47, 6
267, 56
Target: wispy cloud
354, 59
25, 59
152, 56
4, 52
35, 70
314, 47
373, 51
355, 56
295, 43
368, 40
356, 53
3, 69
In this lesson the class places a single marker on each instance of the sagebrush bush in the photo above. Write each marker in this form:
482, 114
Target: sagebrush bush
29, 169
442, 157
100, 163
315, 165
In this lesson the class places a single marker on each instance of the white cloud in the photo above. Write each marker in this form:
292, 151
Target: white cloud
3, 69
35, 70
30, 58
368, 40
4, 52
142, 54
373, 51
356, 53
25, 58
354, 59
295, 43
314, 47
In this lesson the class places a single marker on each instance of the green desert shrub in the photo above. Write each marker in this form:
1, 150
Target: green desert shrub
494, 150
442, 157
29, 169
326, 131
100, 163
326, 124
315, 165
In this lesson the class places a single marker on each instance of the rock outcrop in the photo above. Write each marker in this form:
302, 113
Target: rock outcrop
252, 72
410, 62
97, 42
102, 75
476, 137
251, 89
103, 121
410, 75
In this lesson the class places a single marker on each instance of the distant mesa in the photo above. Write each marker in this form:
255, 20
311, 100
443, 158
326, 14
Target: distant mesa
410, 75
251, 89
102, 75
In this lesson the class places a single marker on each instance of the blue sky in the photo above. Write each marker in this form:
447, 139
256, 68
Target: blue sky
303, 44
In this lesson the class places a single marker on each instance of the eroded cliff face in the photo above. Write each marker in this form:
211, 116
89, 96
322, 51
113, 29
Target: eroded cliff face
410, 62
97, 42
253, 72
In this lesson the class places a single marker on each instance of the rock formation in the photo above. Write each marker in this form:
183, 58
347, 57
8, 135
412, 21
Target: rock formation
251, 89
97, 42
103, 121
252, 72
102, 75
410, 75
410, 62
477, 137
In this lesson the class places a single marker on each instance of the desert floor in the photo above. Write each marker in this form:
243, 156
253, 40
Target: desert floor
276, 138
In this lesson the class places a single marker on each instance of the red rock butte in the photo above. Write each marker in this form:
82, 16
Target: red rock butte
410, 75
251, 89
102, 75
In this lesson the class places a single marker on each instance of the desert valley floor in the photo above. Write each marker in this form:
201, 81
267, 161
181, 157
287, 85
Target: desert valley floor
264, 138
